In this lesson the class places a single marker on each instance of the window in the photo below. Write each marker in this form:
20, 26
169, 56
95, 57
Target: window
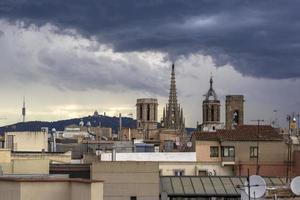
148, 112
214, 151
202, 173
228, 152
212, 114
141, 112
236, 117
178, 172
133, 198
253, 152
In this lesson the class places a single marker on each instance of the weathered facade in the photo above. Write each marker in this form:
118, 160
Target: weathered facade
234, 112
128, 180
27, 141
263, 152
24, 188
146, 114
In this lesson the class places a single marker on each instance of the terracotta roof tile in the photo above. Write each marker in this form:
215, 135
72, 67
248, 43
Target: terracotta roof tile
241, 133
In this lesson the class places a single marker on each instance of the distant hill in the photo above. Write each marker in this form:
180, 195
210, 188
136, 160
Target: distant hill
105, 121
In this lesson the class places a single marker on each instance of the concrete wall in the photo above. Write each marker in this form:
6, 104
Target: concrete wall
152, 156
30, 166
10, 165
10, 191
52, 157
125, 179
168, 168
5, 155
45, 190
28, 141
49, 190
215, 169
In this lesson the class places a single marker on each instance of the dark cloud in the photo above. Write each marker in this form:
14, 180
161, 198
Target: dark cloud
259, 38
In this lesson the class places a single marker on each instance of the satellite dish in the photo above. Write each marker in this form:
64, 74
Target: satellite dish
189, 144
258, 186
53, 130
177, 143
81, 123
98, 152
88, 123
295, 185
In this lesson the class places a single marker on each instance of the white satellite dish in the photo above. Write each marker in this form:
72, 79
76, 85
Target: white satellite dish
295, 185
189, 144
258, 186
81, 123
177, 143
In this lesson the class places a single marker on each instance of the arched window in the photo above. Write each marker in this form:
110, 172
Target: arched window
235, 118
141, 112
212, 114
148, 112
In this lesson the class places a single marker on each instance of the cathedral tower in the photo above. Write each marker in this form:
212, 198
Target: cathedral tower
146, 113
173, 114
211, 110
234, 111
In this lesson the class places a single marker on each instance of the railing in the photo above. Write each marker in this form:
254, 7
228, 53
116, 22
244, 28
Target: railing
228, 159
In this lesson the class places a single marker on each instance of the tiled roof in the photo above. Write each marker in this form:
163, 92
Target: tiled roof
241, 133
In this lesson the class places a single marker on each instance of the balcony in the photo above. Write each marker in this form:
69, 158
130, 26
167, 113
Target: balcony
228, 161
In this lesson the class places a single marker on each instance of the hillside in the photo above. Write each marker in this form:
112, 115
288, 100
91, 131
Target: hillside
105, 121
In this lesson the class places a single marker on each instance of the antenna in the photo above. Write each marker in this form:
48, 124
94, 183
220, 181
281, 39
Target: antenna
256, 187
295, 185
23, 110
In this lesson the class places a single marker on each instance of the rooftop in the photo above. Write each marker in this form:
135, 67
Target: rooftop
206, 186
241, 133
44, 178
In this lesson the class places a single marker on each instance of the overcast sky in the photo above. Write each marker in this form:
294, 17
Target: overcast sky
69, 58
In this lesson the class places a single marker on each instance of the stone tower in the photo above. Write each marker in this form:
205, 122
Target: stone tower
234, 111
173, 114
211, 110
146, 113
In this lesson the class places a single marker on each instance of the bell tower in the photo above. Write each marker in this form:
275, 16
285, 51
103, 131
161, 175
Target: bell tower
211, 110
234, 111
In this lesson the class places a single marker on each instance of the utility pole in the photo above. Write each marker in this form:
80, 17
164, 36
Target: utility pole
257, 143
298, 116
23, 110
288, 118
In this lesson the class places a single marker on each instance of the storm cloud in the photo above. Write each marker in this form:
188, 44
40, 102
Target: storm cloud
258, 38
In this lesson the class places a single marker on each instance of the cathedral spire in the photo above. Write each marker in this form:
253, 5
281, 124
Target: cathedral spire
172, 118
